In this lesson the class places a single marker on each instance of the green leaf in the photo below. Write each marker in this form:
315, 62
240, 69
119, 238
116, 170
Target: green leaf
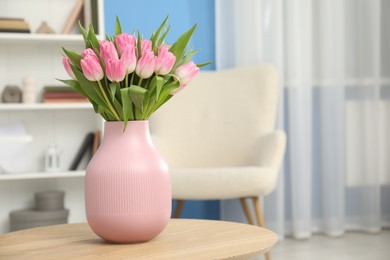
162, 38
152, 84
159, 84
93, 39
98, 109
113, 86
179, 47
118, 27
118, 107
90, 89
160, 28
108, 38
165, 95
137, 95
139, 49
127, 106
187, 58
166, 91
75, 85
74, 57
104, 115
84, 33
204, 64
156, 35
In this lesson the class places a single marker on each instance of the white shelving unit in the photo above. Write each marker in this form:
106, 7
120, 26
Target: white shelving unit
41, 175
63, 125
26, 38
41, 106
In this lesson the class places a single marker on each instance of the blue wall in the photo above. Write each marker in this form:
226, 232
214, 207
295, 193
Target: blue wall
146, 16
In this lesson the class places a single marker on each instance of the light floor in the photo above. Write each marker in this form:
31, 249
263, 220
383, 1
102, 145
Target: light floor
351, 246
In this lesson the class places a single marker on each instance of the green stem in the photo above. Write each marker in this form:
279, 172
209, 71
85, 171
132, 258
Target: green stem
108, 101
132, 78
140, 81
127, 80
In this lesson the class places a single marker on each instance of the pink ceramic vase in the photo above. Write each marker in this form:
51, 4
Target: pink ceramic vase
127, 185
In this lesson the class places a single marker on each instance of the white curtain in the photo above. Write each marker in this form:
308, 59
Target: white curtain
334, 62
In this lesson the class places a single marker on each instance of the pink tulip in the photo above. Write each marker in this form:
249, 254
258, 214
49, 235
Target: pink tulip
164, 61
88, 52
146, 45
108, 51
115, 70
186, 72
65, 62
123, 40
145, 66
129, 58
91, 68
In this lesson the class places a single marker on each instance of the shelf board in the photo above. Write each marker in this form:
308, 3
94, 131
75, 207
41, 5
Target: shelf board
15, 139
41, 175
44, 106
28, 38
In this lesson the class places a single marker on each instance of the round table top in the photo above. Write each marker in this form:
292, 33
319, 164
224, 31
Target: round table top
181, 239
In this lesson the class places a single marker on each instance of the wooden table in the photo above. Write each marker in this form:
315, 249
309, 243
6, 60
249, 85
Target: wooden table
182, 239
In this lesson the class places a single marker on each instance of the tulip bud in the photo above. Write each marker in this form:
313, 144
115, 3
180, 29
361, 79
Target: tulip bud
88, 52
146, 64
164, 61
129, 58
65, 62
91, 68
115, 70
123, 40
186, 72
108, 51
146, 45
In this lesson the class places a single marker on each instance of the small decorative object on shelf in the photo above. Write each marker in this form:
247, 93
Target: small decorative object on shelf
44, 28
52, 159
29, 89
11, 94
127, 78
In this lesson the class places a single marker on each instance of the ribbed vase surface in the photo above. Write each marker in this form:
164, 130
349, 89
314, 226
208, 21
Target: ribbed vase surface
127, 185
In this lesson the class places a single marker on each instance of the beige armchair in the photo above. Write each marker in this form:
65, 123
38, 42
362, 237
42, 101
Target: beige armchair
219, 139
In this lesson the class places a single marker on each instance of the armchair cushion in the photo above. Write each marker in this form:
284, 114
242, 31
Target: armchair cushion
222, 183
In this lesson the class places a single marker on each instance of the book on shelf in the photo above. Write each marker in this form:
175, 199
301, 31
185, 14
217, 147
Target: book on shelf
73, 17
87, 149
96, 142
87, 12
14, 25
61, 94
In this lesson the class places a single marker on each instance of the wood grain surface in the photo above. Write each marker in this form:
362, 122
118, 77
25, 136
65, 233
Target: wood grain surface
182, 239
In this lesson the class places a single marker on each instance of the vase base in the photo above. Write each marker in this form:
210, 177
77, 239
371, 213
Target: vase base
128, 228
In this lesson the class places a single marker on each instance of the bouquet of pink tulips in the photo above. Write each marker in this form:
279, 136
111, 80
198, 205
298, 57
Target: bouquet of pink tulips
126, 77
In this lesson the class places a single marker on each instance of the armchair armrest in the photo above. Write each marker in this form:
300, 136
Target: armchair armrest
271, 149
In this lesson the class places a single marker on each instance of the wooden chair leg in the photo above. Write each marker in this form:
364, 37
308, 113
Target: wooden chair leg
246, 211
258, 211
260, 219
179, 208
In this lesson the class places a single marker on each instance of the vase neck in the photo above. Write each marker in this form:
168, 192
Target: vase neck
134, 129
